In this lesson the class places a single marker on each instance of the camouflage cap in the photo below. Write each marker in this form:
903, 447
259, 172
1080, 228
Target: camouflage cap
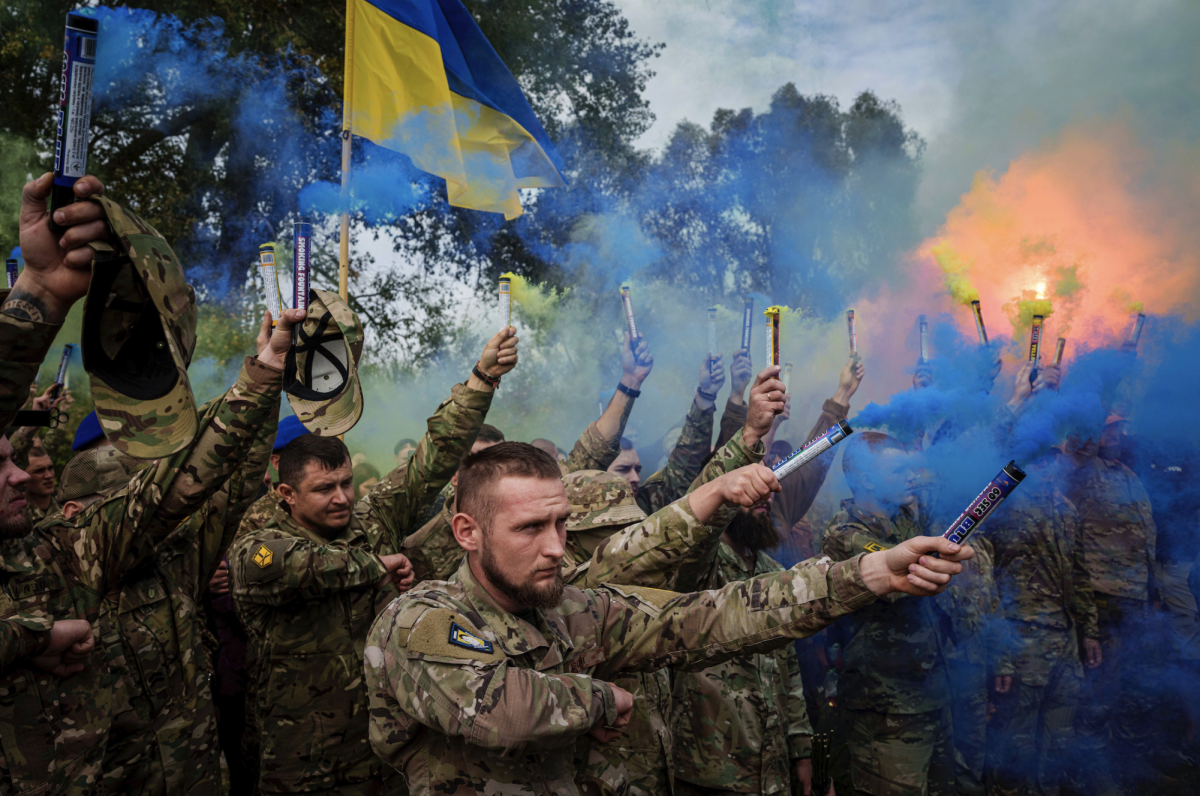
599, 499
96, 471
321, 372
139, 331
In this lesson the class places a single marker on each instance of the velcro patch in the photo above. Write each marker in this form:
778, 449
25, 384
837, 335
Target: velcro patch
265, 560
649, 600
263, 556
460, 637
443, 633
875, 547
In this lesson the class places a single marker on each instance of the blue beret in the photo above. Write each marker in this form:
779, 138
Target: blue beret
89, 431
289, 428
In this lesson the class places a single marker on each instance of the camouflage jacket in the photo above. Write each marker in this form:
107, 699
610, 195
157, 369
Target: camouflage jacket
23, 347
892, 651
164, 732
259, 514
651, 554
1043, 583
733, 418
432, 550
801, 487
467, 698
738, 725
307, 602
1117, 527
972, 607
683, 465
53, 731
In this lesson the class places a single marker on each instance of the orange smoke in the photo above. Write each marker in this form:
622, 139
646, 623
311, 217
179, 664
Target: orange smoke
1093, 222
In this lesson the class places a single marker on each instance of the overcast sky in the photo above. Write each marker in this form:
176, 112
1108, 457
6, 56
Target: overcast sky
980, 82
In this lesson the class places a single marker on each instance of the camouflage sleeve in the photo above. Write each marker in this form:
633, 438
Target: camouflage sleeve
801, 487
800, 731
417, 677
646, 629
224, 512
1083, 603
22, 636
683, 465
733, 418
122, 532
273, 568
397, 501
23, 346
433, 550
592, 451
651, 552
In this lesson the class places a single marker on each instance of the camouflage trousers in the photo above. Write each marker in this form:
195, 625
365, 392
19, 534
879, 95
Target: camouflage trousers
638, 761
1115, 723
900, 754
1032, 734
969, 713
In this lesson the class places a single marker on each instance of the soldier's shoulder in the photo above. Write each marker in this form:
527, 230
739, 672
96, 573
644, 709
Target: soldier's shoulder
435, 623
765, 564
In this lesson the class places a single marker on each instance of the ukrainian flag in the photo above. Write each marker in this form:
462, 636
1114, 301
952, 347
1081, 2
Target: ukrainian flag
421, 79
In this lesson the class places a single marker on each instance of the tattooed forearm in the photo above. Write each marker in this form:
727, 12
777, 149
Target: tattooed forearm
27, 306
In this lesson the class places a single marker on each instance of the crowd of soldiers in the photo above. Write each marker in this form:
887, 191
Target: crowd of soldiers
213, 600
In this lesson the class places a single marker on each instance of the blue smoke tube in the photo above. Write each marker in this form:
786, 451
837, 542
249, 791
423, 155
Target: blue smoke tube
985, 503
10, 270
812, 449
74, 111
61, 378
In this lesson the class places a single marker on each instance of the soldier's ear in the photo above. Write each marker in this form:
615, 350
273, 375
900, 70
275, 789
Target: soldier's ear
467, 532
286, 492
71, 508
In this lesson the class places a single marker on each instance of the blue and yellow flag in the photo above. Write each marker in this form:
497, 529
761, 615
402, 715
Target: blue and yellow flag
422, 80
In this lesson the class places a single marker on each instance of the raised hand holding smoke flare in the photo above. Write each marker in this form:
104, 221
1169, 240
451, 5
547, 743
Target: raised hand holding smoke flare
772, 314
812, 449
74, 111
979, 327
270, 277
627, 302
505, 302
984, 504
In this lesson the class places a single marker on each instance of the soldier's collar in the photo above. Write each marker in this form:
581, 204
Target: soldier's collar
879, 523
511, 633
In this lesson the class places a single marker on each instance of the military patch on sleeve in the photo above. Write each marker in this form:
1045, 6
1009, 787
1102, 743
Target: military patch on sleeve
265, 560
263, 556
875, 547
443, 633
468, 640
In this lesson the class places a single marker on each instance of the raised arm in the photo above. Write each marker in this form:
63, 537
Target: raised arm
600, 442
398, 500
271, 568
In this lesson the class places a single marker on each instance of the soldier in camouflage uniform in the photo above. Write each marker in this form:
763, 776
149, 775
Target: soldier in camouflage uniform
894, 682
1046, 596
1119, 540
64, 569
484, 684
648, 554
687, 457
307, 590
432, 550
743, 725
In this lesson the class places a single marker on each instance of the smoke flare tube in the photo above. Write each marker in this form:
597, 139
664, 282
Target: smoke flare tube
505, 302
627, 302
851, 327
812, 449
1035, 344
1135, 333
786, 378
270, 277
924, 326
10, 270
712, 337
60, 379
772, 314
1059, 348
982, 506
979, 327
74, 111
747, 323
301, 269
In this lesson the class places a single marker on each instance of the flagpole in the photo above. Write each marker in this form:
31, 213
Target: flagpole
344, 248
